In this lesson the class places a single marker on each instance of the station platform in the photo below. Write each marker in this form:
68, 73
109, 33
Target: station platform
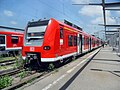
101, 72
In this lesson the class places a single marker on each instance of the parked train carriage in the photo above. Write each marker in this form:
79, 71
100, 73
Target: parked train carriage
85, 42
98, 42
51, 40
10, 41
95, 42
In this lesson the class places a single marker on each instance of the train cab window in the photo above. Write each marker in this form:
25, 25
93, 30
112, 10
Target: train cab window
75, 40
2, 39
14, 39
61, 32
70, 40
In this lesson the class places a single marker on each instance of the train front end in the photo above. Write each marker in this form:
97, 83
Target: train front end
39, 41
2, 44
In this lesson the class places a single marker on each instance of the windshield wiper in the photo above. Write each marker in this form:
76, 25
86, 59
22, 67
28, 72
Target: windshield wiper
34, 39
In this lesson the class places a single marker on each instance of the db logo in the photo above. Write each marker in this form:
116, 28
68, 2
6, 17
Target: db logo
32, 49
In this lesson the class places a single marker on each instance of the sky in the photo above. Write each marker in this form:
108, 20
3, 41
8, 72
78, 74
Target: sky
17, 13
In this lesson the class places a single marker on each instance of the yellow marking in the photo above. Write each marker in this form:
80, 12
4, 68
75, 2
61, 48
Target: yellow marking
70, 29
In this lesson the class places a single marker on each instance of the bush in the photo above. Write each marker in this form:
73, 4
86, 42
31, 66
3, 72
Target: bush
22, 74
51, 66
5, 81
19, 61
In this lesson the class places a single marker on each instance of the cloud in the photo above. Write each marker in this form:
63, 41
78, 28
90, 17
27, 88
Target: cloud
118, 12
91, 11
80, 1
96, 12
8, 13
13, 22
99, 20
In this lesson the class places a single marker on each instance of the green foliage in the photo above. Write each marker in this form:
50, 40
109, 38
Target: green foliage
3, 67
22, 74
26, 60
5, 81
51, 66
1, 56
19, 61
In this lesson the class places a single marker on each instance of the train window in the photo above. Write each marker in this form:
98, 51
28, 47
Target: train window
75, 40
87, 41
95, 42
36, 32
92, 41
82, 40
70, 40
14, 39
2, 39
61, 32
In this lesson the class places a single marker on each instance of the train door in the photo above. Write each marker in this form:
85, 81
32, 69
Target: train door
79, 41
2, 42
61, 38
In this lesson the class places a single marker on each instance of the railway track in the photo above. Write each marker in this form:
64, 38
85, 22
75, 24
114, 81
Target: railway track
32, 76
17, 82
9, 72
7, 62
25, 80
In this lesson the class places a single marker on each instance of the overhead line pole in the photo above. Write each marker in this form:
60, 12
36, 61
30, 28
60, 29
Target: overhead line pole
92, 4
104, 15
112, 9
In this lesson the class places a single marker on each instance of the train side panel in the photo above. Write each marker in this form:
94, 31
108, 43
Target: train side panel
10, 41
14, 42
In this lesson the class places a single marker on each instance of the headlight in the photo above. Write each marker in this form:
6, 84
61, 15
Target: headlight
46, 47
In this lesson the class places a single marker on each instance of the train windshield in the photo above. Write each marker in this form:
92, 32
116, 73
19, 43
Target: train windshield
2, 39
35, 33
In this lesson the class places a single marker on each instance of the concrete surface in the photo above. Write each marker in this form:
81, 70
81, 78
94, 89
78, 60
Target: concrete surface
102, 73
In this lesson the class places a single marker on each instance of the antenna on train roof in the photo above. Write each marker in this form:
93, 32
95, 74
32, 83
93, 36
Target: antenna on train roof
32, 20
39, 19
44, 18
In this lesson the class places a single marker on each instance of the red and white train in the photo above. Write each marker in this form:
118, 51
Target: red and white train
10, 41
52, 40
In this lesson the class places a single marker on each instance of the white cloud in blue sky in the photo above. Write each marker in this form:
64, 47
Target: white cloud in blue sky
91, 11
118, 12
96, 13
13, 22
81, 1
99, 20
8, 13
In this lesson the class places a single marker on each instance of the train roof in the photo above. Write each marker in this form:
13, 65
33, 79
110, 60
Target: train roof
72, 27
11, 28
10, 33
39, 22
71, 24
